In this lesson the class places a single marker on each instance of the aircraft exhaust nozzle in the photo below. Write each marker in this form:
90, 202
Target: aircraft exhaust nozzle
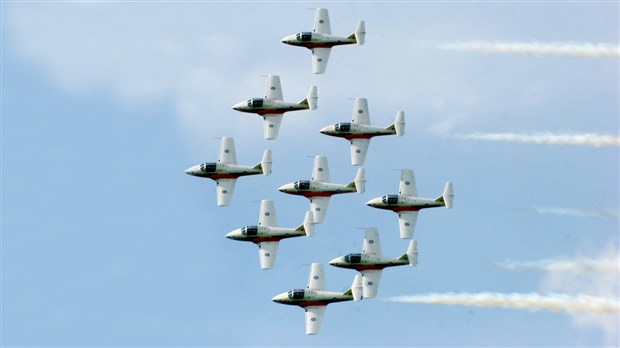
448, 195
309, 224
360, 32
266, 162
399, 123
412, 253
356, 288
360, 181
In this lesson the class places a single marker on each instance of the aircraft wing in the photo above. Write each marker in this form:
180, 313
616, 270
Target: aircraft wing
370, 282
320, 56
321, 22
225, 189
316, 280
314, 318
267, 252
360, 112
271, 125
318, 207
359, 147
267, 215
407, 184
274, 90
320, 171
372, 244
406, 221
227, 151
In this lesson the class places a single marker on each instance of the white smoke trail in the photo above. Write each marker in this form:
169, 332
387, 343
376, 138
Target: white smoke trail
586, 139
552, 302
579, 266
589, 50
585, 213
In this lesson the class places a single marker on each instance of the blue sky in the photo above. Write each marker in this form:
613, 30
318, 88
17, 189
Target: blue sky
106, 242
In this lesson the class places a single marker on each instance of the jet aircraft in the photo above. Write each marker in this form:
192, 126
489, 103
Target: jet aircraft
226, 171
320, 40
272, 107
267, 234
370, 262
319, 189
359, 131
314, 299
407, 205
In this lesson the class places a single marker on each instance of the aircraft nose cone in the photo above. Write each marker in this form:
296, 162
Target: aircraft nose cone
373, 202
191, 170
324, 130
230, 235
237, 106
278, 298
283, 188
334, 261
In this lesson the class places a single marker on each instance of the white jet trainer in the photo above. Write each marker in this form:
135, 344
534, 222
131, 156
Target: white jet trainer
359, 131
226, 171
370, 262
407, 205
314, 299
320, 41
319, 189
267, 234
272, 107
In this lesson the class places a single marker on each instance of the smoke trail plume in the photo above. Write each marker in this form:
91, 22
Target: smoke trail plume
586, 139
552, 302
589, 50
579, 266
586, 213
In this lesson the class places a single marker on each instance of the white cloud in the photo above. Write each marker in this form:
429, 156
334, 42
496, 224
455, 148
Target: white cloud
584, 213
533, 301
585, 139
589, 50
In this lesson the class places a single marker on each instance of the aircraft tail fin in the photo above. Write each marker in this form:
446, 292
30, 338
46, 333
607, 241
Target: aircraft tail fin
356, 289
265, 163
308, 225
360, 181
412, 254
311, 99
399, 124
448, 196
360, 33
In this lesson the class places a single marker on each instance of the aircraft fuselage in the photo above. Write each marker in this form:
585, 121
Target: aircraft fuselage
403, 203
307, 297
361, 262
264, 106
355, 131
257, 234
313, 188
312, 40
217, 171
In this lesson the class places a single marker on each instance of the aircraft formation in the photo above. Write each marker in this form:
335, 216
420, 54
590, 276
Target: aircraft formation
319, 189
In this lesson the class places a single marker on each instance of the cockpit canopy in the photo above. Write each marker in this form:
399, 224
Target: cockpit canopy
249, 230
208, 167
343, 127
255, 102
296, 294
390, 199
302, 185
304, 36
353, 258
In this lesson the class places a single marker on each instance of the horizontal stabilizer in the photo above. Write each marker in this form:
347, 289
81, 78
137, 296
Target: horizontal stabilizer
360, 33
265, 163
360, 181
412, 253
311, 99
356, 289
448, 196
308, 225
